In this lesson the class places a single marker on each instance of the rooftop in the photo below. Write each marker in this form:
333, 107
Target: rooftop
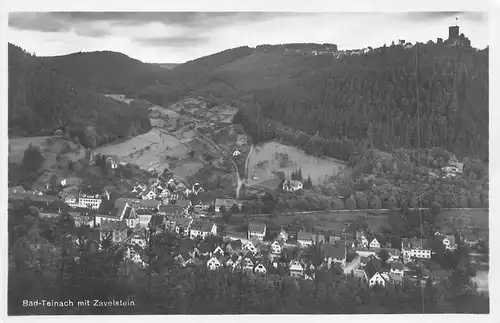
257, 227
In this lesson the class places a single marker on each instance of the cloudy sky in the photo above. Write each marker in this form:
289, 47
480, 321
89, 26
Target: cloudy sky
175, 37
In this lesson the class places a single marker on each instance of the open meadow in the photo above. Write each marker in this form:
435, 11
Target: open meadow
273, 156
152, 150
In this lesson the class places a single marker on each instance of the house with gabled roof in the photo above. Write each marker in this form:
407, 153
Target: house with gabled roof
260, 268
277, 246
373, 273
130, 216
213, 263
252, 245
170, 210
182, 226
416, 248
151, 205
136, 254
218, 251
471, 240
234, 246
256, 230
195, 229
374, 244
232, 260
184, 205
247, 263
397, 268
117, 231
334, 253
204, 249
296, 269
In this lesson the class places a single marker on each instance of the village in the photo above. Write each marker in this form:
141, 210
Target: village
166, 205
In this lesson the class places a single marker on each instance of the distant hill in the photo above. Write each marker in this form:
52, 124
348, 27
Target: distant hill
106, 71
42, 100
167, 66
361, 95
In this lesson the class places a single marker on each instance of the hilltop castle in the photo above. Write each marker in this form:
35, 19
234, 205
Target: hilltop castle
454, 39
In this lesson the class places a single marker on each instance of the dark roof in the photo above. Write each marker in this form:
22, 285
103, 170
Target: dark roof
204, 247
149, 204
127, 212
257, 227
236, 244
186, 245
255, 241
33, 197
334, 250
183, 203
318, 238
196, 225
372, 267
302, 235
169, 209
207, 226
224, 202
156, 219
397, 265
131, 201
107, 226
183, 222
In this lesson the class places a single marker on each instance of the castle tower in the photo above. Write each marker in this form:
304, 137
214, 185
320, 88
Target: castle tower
453, 32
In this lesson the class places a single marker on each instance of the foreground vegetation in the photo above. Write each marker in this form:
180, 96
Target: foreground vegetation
44, 264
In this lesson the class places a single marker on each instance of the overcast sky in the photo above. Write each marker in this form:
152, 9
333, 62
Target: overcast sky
179, 37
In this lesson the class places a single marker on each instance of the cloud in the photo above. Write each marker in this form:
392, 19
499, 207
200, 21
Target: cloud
37, 22
432, 15
173, 41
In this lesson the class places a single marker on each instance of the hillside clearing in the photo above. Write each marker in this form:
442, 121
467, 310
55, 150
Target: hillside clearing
274, 156
151, 150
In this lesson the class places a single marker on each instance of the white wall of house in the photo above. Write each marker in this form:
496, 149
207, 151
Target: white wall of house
376, 279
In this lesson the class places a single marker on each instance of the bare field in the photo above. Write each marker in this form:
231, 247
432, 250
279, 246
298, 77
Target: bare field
263, 158
149, 151
187, 169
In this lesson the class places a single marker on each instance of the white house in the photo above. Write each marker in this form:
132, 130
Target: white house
150, 195
256, 230
213, 263
252, 245
397, 268
283, 235
415, 248
236, 153
248, 264
364, 241
374, 243
260, 269
138, 239
277, 246
304, 239
376, 279
296, 269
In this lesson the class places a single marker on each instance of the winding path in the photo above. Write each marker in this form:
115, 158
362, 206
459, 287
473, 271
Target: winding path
239, 180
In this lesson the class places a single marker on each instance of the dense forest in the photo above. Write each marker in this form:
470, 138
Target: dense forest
45, 264
370, 96
42, 101
105, 71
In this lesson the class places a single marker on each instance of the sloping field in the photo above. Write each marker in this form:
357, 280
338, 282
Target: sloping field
465, 219
151, 150
17, 146
317, 168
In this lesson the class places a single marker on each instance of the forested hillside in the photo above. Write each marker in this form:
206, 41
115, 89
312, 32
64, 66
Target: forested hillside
41, 101
106, 71
369, 96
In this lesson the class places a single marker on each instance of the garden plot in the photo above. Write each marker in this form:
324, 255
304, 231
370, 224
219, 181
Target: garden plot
275, 157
